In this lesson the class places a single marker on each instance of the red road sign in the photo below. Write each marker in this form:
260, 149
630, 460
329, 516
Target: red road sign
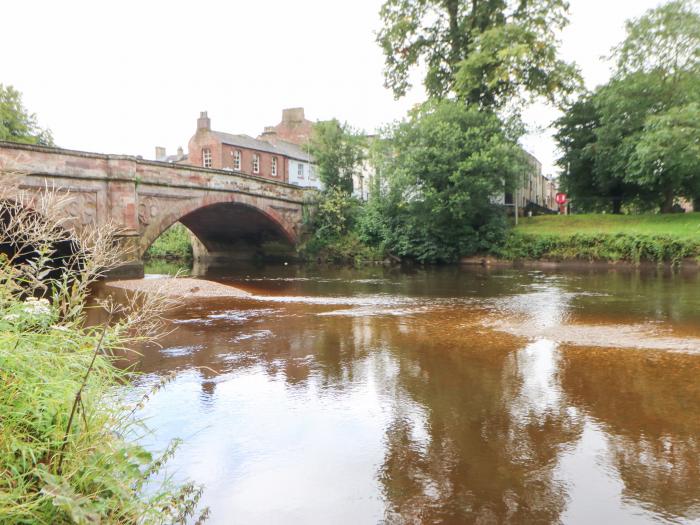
561, 198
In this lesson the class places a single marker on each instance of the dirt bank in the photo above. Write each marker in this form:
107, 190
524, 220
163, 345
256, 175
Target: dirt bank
183, 287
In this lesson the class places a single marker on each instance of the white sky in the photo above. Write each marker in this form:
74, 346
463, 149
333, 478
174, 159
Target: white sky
125, 76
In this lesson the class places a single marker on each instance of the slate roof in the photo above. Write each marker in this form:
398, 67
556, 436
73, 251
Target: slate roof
293, 150
280, 147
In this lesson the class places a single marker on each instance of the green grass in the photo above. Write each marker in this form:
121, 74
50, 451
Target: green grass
174, 243
678, 225
673, 239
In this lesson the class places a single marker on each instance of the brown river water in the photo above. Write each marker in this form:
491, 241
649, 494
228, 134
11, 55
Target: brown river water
447, 395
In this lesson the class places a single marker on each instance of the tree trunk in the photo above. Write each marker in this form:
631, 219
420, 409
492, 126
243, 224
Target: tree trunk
669, 197
617, 206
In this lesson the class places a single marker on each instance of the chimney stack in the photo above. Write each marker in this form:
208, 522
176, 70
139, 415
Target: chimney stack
203, 122
293, 115
160, 153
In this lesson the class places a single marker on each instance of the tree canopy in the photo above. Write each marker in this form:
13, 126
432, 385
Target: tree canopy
338, 151
444, 168
616, 141
485, 52
16, 123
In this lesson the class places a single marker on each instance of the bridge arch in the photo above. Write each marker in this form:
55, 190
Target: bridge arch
226, 225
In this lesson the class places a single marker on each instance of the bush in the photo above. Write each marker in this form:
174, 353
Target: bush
67, 453
333, 234
599, 247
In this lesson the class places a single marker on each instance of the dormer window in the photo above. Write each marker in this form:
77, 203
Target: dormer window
256, 163
237, 160
206, 158
273, 169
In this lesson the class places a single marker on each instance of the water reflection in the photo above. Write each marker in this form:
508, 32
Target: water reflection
312, 412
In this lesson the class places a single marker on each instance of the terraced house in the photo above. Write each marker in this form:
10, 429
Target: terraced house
278, 160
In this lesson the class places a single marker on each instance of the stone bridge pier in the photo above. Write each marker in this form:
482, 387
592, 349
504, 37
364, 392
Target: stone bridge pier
233, 216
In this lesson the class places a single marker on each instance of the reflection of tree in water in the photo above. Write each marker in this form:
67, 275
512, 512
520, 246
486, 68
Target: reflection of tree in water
649, 404
480, 460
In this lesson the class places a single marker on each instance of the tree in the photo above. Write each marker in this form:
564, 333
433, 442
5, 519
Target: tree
338, 151
665, 39
667, 155
16, 123
609, 137
576, 138
483, 51
449, 163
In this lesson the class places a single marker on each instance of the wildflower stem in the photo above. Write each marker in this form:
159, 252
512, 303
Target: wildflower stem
79, 393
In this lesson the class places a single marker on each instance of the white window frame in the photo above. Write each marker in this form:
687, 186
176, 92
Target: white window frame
237, 160
273, 167
256, 163
300, 170
206, 157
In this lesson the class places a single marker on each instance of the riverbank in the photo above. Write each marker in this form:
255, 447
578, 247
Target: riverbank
180, 287
608, 239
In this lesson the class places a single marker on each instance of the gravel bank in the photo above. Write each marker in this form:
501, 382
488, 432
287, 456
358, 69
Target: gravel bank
184, 287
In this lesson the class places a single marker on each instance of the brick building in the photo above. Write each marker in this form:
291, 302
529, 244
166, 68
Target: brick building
294, 128
282, 160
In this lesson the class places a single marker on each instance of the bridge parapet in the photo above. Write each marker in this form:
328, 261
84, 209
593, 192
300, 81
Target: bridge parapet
143, 198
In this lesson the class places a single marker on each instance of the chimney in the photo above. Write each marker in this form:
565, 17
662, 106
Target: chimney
180, 153
160, 153
293, 115
269, 132
203, 122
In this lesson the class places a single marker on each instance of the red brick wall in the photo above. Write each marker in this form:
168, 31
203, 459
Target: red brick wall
247, 162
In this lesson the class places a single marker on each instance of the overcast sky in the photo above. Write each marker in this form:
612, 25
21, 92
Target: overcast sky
125, 76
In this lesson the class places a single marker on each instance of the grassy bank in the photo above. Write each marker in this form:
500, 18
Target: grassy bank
629, 238
677, 225
68, 437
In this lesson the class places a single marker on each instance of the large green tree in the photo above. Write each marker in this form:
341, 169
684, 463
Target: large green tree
445, 168
655, 86
486, 52
338, 152
17, 124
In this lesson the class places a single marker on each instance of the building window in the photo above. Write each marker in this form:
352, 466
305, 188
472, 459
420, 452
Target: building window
256, 163
273, 170
206, 158
237, 160
300, 170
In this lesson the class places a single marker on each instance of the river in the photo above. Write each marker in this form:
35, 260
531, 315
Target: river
447, 395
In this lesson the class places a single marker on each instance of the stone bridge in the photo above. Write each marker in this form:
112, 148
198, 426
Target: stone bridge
232, 215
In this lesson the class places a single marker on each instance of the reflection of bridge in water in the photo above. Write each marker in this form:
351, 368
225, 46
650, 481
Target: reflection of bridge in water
233, 215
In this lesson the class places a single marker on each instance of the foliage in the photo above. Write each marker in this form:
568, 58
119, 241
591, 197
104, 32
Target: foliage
600, 247
484, 51
617, 140
16, 123
446, 166
174, 243
332, 227
667, 154
338, 151
67, 453
664, 39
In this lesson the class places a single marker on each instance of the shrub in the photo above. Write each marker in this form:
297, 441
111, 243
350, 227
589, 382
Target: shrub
67, 449
602, 247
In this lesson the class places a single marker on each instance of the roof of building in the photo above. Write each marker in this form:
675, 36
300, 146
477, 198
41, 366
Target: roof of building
293, 150
280, 147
